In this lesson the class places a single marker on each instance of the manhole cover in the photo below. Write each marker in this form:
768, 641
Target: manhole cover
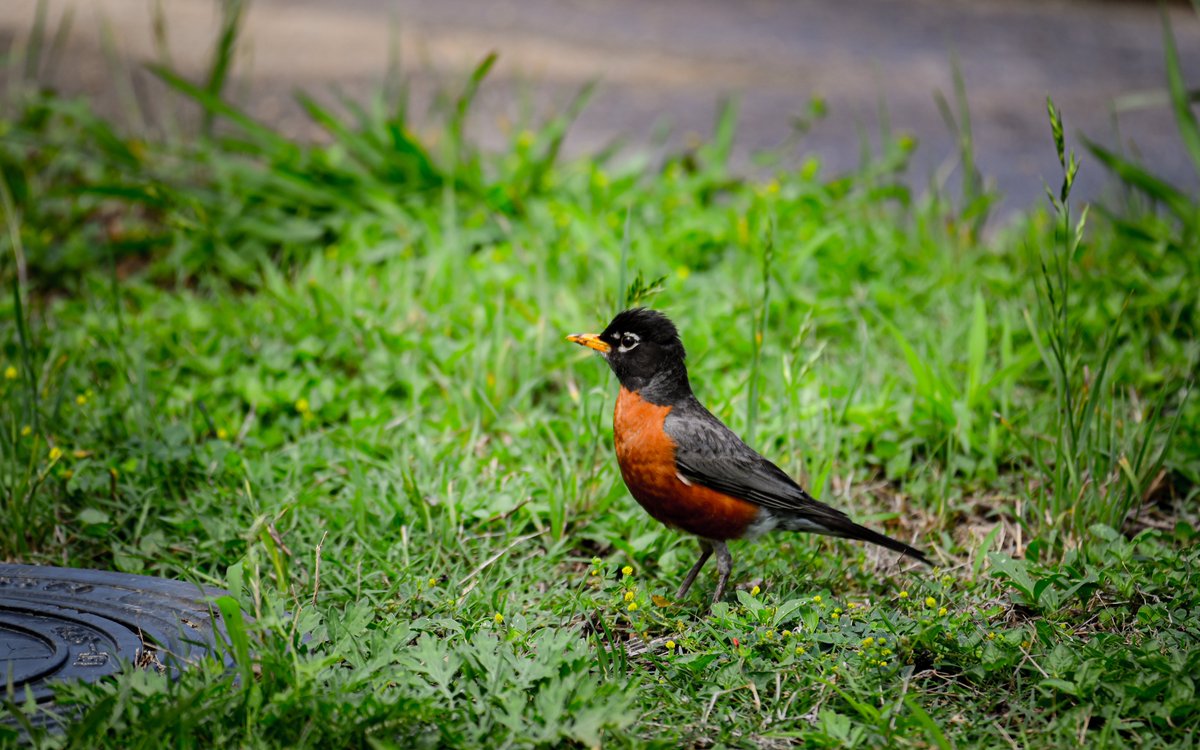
63, 623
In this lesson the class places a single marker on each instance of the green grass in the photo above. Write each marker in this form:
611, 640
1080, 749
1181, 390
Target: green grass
238, 359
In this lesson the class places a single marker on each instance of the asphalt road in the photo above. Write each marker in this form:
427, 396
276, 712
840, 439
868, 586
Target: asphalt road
665, 64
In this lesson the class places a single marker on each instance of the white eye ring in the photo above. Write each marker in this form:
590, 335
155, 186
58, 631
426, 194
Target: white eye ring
629, 341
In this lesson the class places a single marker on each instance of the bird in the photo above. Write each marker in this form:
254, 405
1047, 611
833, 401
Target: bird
686, 468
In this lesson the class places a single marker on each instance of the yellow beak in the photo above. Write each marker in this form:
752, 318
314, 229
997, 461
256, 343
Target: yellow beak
591, 341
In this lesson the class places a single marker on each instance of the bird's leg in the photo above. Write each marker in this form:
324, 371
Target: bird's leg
706, 550
724, 566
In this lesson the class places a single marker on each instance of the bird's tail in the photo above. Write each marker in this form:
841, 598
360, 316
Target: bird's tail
883, 540
841, 526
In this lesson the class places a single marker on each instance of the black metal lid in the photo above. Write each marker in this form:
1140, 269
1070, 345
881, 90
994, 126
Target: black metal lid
65, 623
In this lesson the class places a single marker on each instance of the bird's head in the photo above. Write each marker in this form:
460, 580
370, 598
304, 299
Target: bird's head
642, 347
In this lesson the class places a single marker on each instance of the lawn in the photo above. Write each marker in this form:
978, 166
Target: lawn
332, 379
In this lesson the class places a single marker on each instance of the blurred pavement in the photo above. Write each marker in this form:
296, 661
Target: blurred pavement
669, 62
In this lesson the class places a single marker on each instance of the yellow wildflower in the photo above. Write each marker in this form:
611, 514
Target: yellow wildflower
942, 612
26, 431
633, 607
817, 599
10, 373
222, 433
81, 399
930, 601
903, 594
627, 571
302, 405
868, 642
670, 645
755, 591
628, 596
56, 453
498, 618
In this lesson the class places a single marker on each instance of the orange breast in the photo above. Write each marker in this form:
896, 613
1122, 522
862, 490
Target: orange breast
646, 455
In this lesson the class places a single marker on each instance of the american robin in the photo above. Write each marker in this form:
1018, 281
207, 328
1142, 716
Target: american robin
685, 467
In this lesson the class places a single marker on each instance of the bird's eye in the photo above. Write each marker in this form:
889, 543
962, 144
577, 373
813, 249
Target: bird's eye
629, 341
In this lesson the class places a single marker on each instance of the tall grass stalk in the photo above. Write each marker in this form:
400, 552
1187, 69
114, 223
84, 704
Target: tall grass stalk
222, 59
977, 199
759, 332
1182, 206
20, 482
1097, 465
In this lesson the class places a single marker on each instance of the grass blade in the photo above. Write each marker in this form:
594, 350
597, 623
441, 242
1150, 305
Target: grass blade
1141, 179
1185, 119
925, 720
264, 135
222, 59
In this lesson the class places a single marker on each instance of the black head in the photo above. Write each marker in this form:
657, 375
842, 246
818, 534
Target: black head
642, 347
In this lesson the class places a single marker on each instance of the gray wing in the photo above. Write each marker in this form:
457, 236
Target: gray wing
710, 454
